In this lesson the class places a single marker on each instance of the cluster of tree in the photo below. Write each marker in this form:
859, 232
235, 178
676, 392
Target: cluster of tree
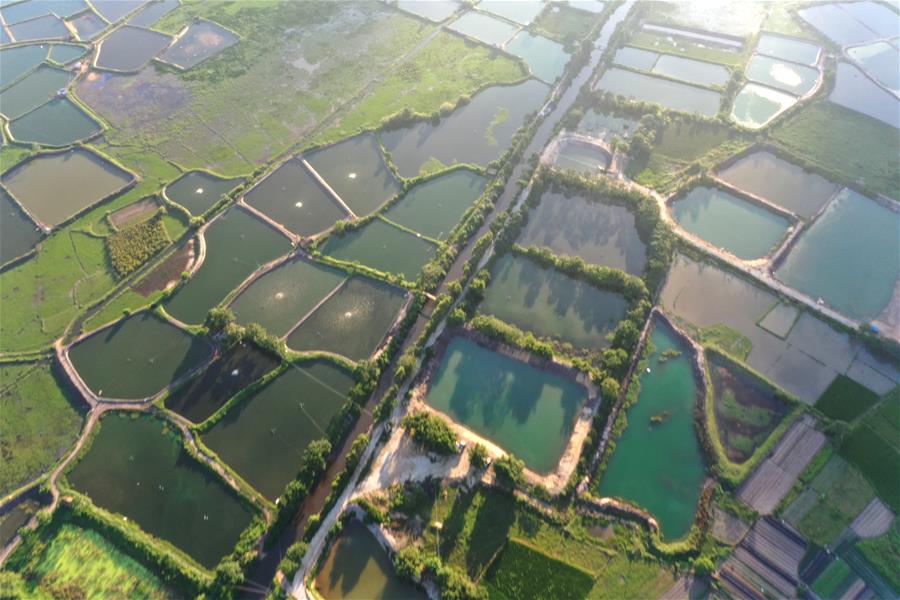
132, 246
430, 432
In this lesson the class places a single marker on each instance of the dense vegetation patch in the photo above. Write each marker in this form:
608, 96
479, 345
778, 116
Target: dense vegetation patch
130, 247
882, 553
431, 432
846, 399
874, 447
523, 571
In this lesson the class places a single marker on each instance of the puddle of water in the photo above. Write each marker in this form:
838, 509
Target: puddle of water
857, 92
659, 465
202, 40
263, 437
476, 133
231, 372
85, 176
382, 247
236, 245
36, 88
671, 94
546, 59
435, 207
283, 296
738, 226
599, 232
780, 182
483, 28
197, 191
789, 49
355, 169
525, 410
853, 273
551, 304
60, 122
18, 234
291, 196
138, 468
137, 357
358, 567
756, 105
353, 321
786, 76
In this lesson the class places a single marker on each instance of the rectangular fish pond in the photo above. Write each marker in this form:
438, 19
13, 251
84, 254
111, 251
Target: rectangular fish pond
433, 10
23, 11
599, 232
137, 357
129, 48
755, 105
668, 93
790, 186
358, 567
197, 191
522, 12
383, 247
833, 260
741, 227
545, 58
786, 76
19, 60
86, 177
853, 90
746, 409
477, 133
281, 297
524, 409
88, 25
48, 27
60, 122
115, 10
435, 207
356, 170
657, 462
263, 436
551, 304
881, 60
483, 28
237, 243
137, 467
291, 196
786, 48
235, 369
18, 234
352, 322
34, 89
202, 40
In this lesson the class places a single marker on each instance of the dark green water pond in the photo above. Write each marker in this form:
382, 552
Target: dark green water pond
137, 467
551, 304
130, 48
18, 234
202, 40
382, 247
525, 410
48, 27
292, 197
356, 170
263, 437
357, 567
86, 177
60, 122
197, 191
66, 53
283, 296
137, 357
739, 226
476, 133
231, 372
31, 91
598, 232
780, 182
353, 321
236, 245
19, 60
435, 207
671, 94
854, 273
659, 465
545, 58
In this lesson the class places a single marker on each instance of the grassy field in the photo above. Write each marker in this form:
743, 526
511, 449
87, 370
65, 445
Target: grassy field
845, 399
878, 460
38, 423
780, 20
80, 563
854, 147
832, 580
882, 553
477, 525
523, 571
842, 494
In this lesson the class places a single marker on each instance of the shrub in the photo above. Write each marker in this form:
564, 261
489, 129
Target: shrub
510, 470
314, 460
129, 248
409, 563
218, 319
455, 585
478, 456
431, 432
290, 564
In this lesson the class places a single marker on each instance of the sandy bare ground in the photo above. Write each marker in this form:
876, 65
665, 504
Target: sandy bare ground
727, 528
873, 521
